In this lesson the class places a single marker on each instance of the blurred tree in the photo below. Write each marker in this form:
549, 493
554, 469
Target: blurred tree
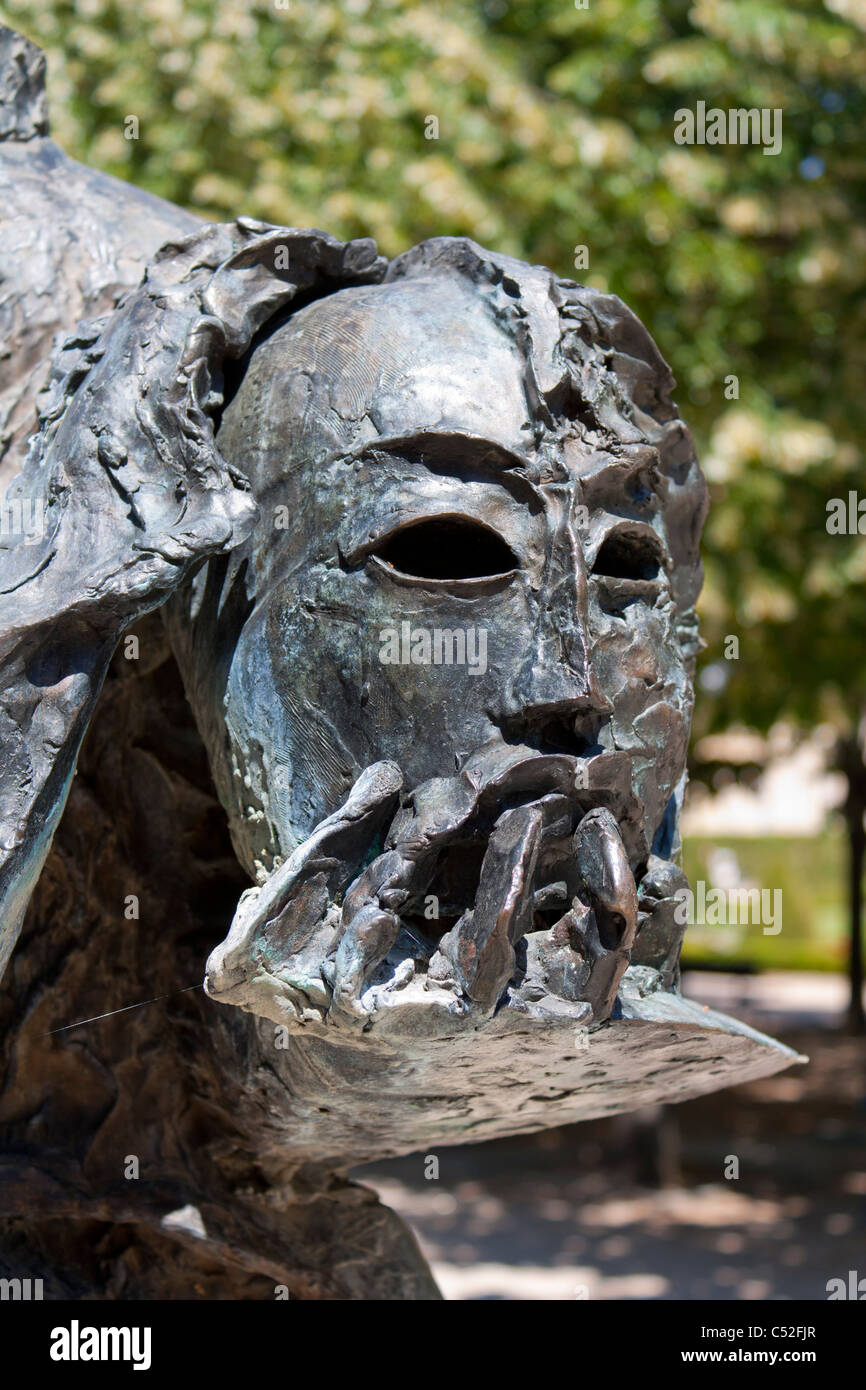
541, 127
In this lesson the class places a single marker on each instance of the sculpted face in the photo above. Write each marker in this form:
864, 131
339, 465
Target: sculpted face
464, 579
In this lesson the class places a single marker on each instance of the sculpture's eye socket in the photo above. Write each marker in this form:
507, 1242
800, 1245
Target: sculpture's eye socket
447, 547
624, 555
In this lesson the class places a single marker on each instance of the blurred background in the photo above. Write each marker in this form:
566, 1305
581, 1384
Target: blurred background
544, 129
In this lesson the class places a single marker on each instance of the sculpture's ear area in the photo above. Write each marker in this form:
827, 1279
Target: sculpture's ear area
123, 495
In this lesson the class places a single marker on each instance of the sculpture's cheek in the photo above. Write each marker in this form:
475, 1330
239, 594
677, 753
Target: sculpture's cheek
641, 670
347, 671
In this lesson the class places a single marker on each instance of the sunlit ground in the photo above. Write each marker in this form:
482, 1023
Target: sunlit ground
638, 1207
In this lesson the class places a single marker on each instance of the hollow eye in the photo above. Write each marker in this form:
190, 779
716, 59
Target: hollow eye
447, 548
624, 556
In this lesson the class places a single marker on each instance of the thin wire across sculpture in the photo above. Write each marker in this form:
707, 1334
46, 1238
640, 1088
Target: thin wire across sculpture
424, 540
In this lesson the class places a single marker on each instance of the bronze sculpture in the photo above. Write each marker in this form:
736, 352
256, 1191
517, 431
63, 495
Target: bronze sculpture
326, 471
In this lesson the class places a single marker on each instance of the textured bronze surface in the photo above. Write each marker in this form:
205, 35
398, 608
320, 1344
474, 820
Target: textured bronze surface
423, 538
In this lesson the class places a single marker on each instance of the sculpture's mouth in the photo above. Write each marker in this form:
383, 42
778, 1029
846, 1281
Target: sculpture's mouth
453, 887
514, 881
551, 911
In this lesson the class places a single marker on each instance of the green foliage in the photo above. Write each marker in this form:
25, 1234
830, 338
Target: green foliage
809, 873
556, 130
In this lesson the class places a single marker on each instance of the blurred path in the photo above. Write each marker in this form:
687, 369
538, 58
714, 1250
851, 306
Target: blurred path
783, 999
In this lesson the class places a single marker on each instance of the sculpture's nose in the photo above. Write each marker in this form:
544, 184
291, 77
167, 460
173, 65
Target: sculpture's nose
554, 683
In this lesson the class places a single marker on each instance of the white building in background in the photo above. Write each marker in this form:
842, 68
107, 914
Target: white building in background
794, 796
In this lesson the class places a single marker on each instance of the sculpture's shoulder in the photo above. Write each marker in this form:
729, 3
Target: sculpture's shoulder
71, 240
23, 104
